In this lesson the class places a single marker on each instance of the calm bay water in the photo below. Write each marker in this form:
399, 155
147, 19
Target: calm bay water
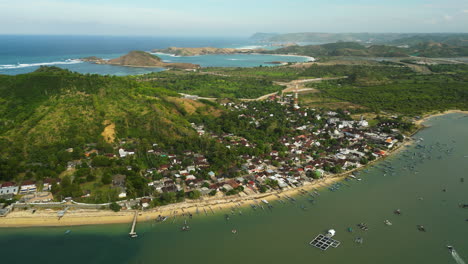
23, 54
282, 234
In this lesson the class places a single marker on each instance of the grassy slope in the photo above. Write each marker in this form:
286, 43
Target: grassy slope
56, 109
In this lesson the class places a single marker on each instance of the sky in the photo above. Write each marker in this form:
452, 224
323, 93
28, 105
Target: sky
229, 18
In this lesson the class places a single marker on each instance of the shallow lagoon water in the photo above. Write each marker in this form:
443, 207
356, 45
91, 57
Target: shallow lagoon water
281, 235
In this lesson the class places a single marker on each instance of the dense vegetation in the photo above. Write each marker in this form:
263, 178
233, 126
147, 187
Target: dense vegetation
399, 90
45, 113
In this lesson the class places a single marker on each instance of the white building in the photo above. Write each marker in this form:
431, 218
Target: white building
8, 188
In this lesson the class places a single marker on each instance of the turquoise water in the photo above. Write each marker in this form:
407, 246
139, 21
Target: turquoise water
282, 234
23, 54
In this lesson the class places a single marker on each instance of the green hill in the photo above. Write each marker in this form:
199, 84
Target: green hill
47, 111
343, 49
437, 50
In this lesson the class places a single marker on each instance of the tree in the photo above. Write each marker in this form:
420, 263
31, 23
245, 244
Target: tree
115, 207
101, 161
194, 194
106, 178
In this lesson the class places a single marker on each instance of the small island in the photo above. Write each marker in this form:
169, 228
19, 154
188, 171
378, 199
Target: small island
140, 59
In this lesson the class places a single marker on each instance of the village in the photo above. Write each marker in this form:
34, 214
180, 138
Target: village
319, 143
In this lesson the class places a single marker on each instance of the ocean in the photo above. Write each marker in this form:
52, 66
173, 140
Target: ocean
22, 54
413, 180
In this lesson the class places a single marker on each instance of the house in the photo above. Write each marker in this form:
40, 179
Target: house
145, 202
48, 182
28, 187
123, 193
123, 153
8, 188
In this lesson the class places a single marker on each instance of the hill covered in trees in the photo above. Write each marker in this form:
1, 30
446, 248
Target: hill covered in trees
43, 113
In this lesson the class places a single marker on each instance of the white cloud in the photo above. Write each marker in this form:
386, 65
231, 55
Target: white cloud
56, 15
448, 18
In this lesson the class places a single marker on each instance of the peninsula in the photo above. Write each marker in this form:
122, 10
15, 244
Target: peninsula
140, 59
204, 51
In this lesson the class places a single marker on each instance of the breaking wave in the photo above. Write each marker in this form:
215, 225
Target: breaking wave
25, 65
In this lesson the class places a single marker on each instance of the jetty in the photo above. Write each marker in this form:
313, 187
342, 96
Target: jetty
132, 233
61, 213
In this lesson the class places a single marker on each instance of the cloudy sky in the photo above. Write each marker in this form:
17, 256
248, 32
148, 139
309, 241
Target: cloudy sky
229, 18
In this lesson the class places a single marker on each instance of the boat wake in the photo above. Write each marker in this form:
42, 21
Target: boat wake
26, 65
457, 257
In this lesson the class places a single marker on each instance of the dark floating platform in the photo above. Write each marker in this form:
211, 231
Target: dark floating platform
323, 242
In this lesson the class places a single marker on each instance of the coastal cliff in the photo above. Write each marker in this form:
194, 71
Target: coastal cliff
141, 59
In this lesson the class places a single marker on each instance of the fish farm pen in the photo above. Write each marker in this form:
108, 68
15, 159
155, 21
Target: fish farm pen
323, 242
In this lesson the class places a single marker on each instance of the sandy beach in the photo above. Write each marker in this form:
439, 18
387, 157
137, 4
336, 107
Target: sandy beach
431, 115
74, 217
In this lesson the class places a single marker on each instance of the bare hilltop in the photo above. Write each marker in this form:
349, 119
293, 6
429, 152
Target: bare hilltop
141, 59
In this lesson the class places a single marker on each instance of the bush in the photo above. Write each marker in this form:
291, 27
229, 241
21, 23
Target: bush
115, 207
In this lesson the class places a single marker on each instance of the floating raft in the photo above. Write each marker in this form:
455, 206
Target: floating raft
323, 242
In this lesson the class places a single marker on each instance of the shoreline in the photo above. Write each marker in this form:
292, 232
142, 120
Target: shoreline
309, 58
48, 217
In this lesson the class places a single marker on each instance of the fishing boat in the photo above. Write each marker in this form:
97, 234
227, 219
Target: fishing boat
359, 240
450, 248
161, 218
253, 206
67, 232
397, 212
265, 201
463, 205
185, 227
388, 222
350, 229
234, 231
421, 228
226, 216
363, 226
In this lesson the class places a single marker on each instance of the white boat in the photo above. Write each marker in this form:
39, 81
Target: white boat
265, 201
331, 233
388, 222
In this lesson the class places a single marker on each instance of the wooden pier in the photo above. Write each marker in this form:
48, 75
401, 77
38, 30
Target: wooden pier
132, 233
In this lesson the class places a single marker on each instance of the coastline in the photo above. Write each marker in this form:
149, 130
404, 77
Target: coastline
78, 217
428, 116
309, 58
